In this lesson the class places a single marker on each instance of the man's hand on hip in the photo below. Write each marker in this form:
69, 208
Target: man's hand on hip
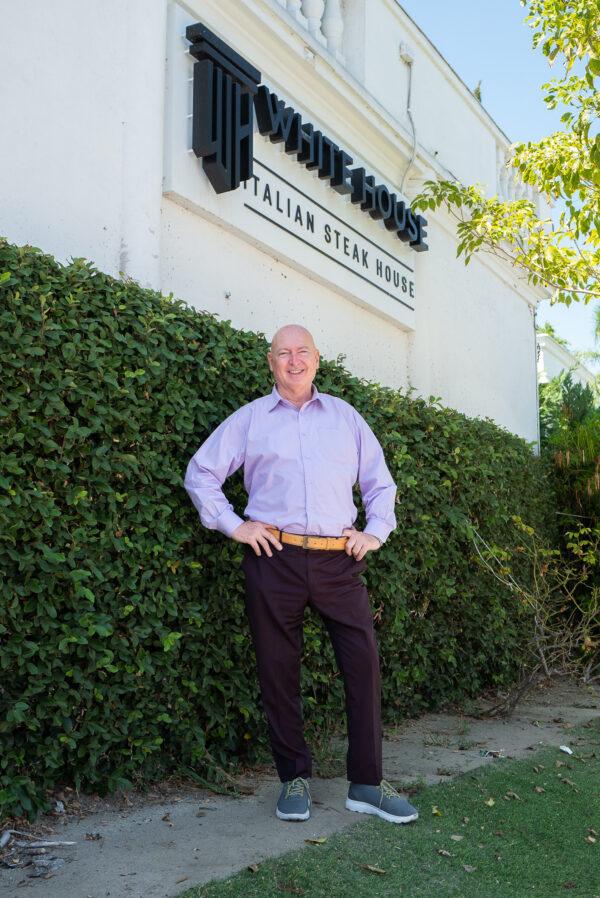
256, 534
360, 543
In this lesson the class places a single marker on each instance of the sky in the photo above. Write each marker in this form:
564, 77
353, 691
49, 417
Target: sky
487, 41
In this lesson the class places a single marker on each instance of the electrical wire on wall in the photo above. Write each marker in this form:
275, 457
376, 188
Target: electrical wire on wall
407, 57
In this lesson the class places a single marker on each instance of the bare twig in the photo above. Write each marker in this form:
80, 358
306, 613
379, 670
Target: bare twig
561, 620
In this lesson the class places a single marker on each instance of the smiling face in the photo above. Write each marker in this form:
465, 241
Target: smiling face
294, 360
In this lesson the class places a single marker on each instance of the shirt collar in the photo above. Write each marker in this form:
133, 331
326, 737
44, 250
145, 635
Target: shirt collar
275, 398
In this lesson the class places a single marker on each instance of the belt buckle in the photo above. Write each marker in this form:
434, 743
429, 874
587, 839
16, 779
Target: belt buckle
305, 539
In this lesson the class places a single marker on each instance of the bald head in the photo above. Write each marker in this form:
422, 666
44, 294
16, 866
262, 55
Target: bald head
293, 333
294, 360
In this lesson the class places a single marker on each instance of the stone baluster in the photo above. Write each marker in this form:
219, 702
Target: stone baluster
512, 186
533, 197
499, 172
332, 26
502, 174
312, 10
293, 7
518, 187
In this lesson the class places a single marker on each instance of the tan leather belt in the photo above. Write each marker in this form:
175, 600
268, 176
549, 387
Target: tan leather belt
327, 543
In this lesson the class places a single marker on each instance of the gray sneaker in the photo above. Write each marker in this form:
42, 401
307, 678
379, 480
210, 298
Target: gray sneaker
294, 800
382, 800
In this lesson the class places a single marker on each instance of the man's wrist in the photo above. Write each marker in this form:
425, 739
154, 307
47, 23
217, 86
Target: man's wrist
378, 528
228, 522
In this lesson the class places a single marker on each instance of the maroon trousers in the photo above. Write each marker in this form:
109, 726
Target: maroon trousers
277, 592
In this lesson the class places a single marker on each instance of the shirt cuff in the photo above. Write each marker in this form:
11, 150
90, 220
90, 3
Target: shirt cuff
378, 528
228, 521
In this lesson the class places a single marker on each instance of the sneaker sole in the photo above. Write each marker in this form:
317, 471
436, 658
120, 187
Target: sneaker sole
283, 816
361, 807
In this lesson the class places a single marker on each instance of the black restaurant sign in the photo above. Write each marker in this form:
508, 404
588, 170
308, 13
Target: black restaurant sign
227, 92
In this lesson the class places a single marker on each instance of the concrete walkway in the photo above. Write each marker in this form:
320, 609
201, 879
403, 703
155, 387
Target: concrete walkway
152, 847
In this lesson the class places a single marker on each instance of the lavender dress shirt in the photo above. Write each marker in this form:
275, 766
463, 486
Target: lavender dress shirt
300, 465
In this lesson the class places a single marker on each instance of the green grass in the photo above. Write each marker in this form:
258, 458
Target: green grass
534, 844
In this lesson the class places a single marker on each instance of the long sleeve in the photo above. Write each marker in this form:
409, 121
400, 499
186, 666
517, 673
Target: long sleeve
216, 459
377, 487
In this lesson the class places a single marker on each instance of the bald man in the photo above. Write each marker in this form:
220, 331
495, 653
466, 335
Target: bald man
302, 453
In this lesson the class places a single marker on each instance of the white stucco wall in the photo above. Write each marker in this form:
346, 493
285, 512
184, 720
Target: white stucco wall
82, 125
450, 123
87, 154
259, 293
495, 356
553, 359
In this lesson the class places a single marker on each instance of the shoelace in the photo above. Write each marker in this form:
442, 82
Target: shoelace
388, 790
296, 787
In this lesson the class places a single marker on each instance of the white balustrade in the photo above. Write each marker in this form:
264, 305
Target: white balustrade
332, 26
324, 20
502, 173
509, 185
312, 10
294, 9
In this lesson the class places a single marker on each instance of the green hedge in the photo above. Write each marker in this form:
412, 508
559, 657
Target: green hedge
125, 651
